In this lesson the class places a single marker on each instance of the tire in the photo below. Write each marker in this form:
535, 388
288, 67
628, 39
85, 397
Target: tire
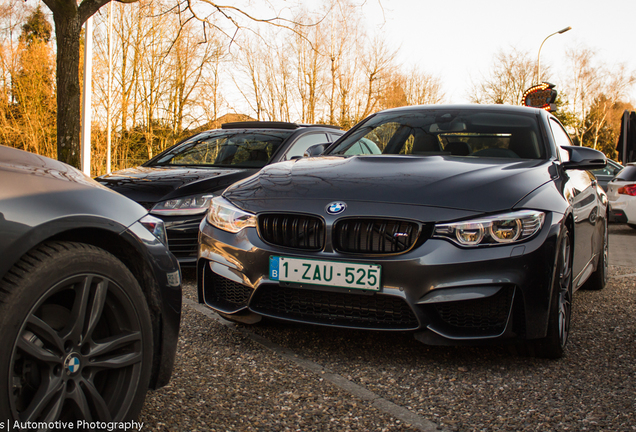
598, 279
553, 345
78, 337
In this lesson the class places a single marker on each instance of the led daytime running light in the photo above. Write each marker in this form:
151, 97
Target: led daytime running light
227, 217
493, 230
191, 205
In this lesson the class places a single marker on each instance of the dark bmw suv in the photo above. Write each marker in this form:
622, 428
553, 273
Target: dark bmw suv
90, 297
178, 184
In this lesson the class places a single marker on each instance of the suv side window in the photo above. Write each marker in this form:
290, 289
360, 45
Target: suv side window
304, 142
561, 138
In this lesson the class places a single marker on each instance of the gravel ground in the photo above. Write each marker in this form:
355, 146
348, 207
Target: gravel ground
226, 380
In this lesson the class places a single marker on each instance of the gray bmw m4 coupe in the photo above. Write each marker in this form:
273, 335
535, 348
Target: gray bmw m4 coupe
463, 224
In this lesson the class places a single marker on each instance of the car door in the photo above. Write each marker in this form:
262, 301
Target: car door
581, 191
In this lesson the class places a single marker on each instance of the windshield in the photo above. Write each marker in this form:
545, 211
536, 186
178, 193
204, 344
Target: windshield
251, 149
469, 133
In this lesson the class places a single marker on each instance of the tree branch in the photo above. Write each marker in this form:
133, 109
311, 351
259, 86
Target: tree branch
89, 7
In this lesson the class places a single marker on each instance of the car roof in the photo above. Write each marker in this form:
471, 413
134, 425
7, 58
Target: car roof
473, 107
273, 125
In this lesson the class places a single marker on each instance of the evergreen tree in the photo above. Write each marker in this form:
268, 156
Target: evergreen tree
36, 29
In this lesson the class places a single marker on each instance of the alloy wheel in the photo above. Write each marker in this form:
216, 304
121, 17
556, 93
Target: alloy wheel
565, 291
78, 354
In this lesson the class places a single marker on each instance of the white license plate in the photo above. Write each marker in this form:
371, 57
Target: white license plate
329, 273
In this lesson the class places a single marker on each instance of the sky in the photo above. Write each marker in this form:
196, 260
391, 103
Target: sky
456, 40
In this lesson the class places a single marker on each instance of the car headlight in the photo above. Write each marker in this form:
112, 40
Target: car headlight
493, 230
156, 227
228, 217
191, 205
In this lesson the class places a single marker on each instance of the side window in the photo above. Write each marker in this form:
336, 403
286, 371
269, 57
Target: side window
303, 143
333, 137
561, 138
363, 146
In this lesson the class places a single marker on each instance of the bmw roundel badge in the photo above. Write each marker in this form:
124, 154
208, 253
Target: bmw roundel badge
335, 208
72, 364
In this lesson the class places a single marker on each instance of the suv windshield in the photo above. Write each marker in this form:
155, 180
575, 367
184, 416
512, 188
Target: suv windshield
232, 148
447, 132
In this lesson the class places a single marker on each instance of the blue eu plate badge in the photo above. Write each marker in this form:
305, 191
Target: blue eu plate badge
274, 265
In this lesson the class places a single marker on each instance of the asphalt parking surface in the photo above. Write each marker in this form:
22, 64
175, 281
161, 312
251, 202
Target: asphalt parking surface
282, 377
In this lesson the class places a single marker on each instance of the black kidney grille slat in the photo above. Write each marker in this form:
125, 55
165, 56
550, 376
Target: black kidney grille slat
369, 236
375, 236
292, 231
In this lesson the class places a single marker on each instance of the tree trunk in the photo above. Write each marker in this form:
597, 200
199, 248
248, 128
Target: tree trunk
67, 30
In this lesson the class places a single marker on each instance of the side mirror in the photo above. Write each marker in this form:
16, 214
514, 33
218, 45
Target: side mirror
584, 158
316, 150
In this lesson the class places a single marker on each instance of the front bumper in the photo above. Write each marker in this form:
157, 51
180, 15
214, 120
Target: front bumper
160, 275
446, 293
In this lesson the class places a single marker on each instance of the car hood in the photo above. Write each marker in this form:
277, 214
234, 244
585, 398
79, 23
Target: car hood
471, 184
148, 185
46, 191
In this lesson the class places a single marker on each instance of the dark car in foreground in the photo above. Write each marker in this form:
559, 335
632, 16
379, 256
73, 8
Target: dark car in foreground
177, 185
90, 297
475, 224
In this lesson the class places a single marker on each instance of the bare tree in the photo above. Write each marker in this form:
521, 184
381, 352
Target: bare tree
191, 62
593, 91
309, 67
251, 64
411, 88
210, 98
422, 88
69, 16
581, 87
377, 64
12, 17
511, 75
27, 99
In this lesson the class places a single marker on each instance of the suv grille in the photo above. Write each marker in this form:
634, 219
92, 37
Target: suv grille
293, 231
183, 244
374, 311
376, 236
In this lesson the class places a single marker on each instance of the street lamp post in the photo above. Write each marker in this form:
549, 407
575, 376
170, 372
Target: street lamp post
539, 55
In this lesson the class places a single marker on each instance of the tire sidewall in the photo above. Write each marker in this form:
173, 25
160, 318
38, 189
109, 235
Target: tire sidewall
550, 346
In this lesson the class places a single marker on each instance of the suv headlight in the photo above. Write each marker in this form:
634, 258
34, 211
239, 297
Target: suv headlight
192, 205
156, 227
224, 215
493, 230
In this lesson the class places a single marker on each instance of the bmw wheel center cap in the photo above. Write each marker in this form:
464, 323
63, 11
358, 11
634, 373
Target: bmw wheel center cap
336, 207
72, 364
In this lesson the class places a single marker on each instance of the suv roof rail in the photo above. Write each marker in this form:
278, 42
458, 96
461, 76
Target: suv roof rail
271, 125
322, 125
259, 125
